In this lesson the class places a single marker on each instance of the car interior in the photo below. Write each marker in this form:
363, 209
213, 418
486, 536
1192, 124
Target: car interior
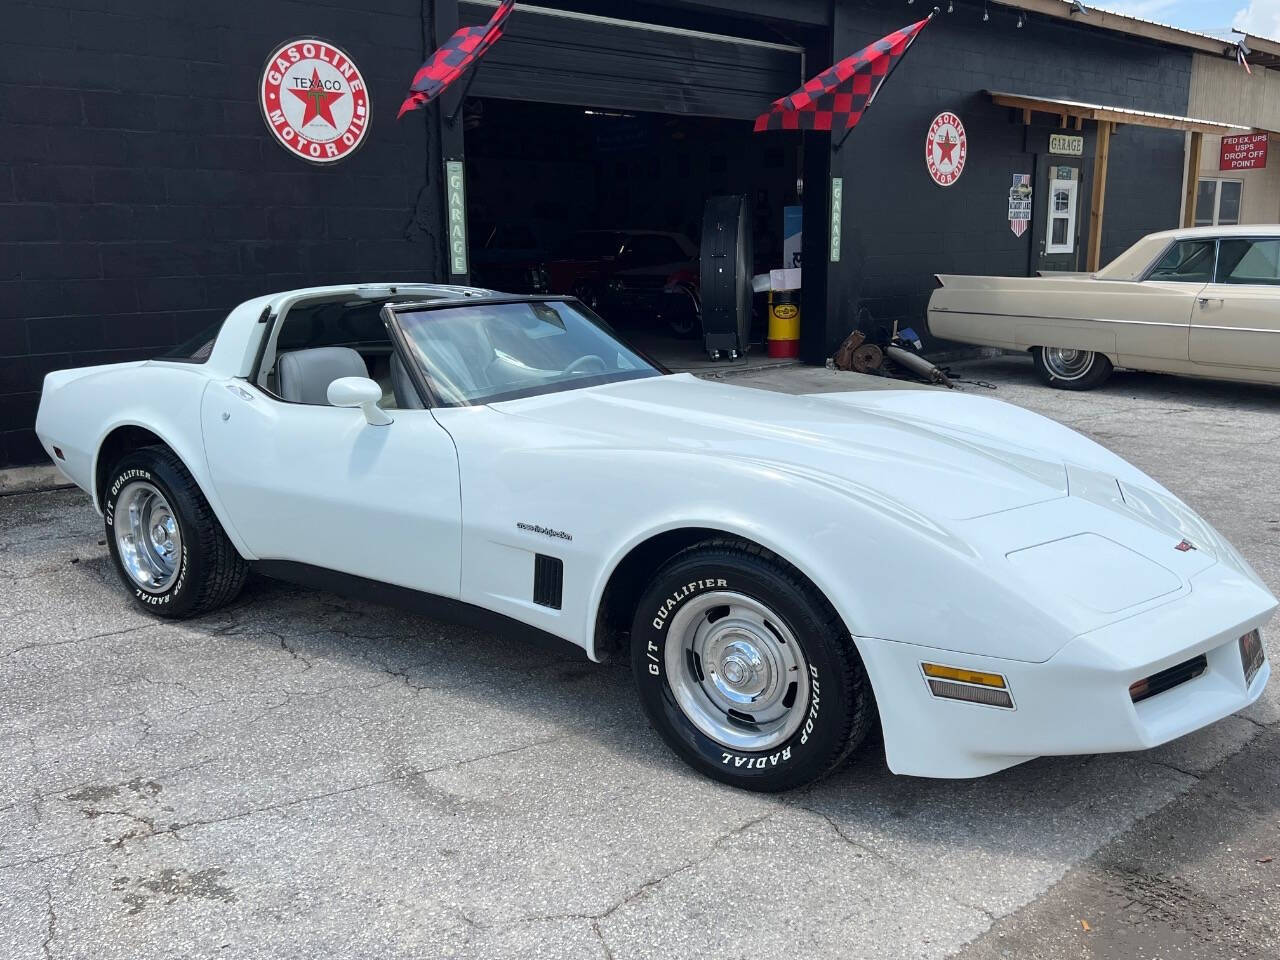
321, 341
472, 355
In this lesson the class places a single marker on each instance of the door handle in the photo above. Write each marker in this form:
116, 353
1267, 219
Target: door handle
1205, 301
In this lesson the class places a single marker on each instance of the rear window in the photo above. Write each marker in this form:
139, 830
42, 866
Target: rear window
196, 350
1134, 262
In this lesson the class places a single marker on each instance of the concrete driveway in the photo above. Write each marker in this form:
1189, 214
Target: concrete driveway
306, 776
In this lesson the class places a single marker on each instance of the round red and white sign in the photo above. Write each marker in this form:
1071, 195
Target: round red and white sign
946, 149
314, 100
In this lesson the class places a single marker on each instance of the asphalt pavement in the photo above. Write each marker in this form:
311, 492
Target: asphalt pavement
306, 776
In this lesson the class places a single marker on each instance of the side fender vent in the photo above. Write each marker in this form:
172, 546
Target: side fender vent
548, 581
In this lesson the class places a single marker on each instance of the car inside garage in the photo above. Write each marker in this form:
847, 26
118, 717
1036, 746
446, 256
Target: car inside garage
592, 146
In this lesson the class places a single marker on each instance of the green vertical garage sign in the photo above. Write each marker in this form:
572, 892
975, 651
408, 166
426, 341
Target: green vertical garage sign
456, 193
837, 203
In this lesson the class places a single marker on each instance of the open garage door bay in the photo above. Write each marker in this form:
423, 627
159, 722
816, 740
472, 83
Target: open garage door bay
557, 56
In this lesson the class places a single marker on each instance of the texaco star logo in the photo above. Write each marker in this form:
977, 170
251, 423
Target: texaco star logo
314, 100
945, 149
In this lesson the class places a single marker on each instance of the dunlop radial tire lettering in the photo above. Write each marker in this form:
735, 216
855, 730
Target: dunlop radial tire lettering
214, 570
840, 703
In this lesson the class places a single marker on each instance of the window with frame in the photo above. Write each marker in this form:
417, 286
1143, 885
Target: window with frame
1061, 234
1249, 261
1187, 261
1218, 202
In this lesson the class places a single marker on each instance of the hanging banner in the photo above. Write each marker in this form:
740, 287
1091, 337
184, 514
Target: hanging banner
837, 207
1020, 204
456, 199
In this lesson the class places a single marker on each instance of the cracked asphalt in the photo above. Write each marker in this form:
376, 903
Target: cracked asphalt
306, 776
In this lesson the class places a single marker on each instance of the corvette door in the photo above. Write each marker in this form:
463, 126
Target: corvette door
320, 485
1237, 318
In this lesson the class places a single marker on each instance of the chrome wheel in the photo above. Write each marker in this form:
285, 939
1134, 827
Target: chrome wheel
1067, 364
736, 671
148, 537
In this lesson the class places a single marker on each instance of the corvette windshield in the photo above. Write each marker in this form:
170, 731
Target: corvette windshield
486, 352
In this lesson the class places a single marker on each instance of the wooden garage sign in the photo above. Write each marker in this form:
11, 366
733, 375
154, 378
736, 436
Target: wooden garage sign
1066, 145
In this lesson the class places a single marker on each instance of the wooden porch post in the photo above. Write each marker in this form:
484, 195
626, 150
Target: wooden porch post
1101, 155
1193, 179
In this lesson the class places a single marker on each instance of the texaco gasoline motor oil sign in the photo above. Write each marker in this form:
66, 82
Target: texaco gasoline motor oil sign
314, 100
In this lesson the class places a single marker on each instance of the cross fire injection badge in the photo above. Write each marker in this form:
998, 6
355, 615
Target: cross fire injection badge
314, 100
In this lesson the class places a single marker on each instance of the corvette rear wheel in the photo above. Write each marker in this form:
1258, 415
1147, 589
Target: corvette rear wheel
746, 670
1068, 369
167, 545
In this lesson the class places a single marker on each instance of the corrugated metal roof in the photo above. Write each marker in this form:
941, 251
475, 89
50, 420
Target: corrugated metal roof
1071, 107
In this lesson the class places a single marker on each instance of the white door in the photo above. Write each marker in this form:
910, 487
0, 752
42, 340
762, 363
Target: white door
1237, 317
1060, 232
320, 485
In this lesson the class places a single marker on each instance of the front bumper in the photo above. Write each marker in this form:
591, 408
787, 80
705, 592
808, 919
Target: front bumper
1078, 701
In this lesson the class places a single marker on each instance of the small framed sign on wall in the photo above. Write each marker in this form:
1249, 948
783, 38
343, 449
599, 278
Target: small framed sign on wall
1066, 145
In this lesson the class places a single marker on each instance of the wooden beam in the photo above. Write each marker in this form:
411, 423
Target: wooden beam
1085, 111
1097, 207
1079, 123
1193, 179
1064, 122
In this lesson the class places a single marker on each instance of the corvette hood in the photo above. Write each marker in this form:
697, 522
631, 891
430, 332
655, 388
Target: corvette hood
940, 470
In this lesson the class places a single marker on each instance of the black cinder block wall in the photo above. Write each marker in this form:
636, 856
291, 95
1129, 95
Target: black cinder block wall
140, 193
900, 228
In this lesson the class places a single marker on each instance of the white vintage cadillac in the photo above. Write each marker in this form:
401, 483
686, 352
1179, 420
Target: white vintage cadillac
1203, 302
782, 569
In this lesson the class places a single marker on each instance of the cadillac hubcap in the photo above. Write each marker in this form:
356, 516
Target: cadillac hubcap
736, 671
148, 538
1067, 364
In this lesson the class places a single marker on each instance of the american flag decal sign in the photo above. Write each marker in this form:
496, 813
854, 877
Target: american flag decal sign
837, 98
451, 61
1020, 204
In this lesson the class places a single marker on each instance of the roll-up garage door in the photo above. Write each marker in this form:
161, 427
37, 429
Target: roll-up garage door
557, 56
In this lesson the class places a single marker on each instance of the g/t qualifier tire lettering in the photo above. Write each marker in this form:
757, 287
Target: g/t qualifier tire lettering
840, 706
210, 572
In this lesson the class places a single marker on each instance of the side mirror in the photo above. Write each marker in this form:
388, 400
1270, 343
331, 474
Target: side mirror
359, 392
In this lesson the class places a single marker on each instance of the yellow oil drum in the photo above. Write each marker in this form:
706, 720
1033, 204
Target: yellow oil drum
784, 324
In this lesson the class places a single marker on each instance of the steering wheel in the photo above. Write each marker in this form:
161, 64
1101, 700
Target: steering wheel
582, 363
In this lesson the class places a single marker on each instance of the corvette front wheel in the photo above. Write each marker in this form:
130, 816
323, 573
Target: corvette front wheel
745, 669
167, 545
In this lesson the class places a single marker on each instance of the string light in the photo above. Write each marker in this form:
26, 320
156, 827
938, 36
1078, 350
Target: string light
1021, 20
985, 14
951, 6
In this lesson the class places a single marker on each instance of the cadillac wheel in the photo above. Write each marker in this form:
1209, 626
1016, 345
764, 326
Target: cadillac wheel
745, 669
169, 548
1070, 369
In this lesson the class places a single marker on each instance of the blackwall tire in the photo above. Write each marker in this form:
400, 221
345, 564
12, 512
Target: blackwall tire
1071, 369
166, 544
727, 623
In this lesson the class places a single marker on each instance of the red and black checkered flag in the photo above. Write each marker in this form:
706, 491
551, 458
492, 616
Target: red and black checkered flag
841, 94
452, 60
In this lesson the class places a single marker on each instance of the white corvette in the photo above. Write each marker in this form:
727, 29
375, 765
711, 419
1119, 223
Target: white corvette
783, 570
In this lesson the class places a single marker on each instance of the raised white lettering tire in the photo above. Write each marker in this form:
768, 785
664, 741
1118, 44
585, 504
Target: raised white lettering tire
167, 545
746, 670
